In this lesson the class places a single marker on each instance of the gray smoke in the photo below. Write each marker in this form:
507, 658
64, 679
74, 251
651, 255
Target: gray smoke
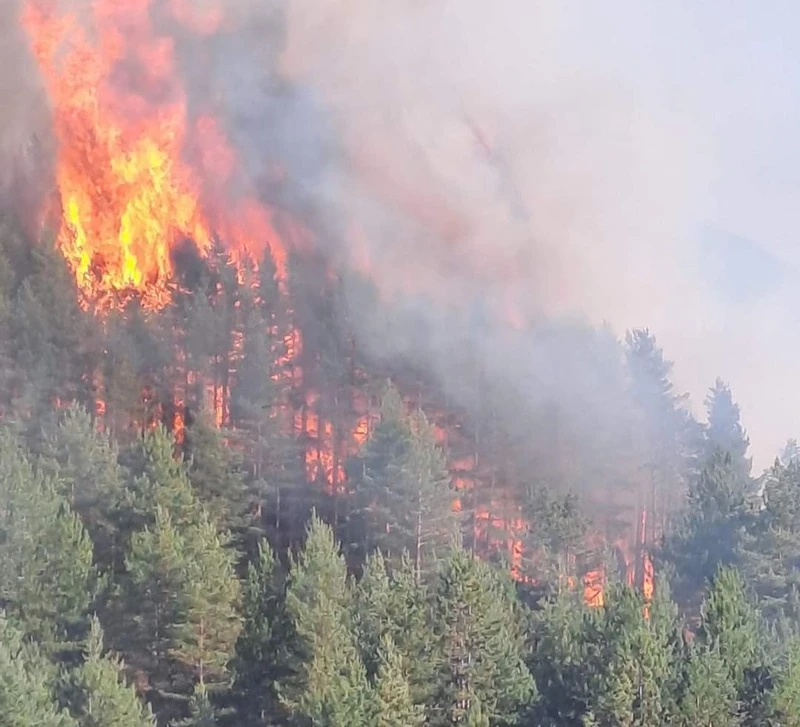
490, 170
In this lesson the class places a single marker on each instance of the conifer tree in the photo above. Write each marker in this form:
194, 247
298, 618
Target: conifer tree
99, 696
376, 500
770, 549
790, 452
206, 632
784, 698
729, 624
51, 336
560, 660
709, 695
481, 655
86, 469
214, 471
330, 688
429, 523
158, 479
265, 645
630, 666
47, 579
394, 605
394, 702
710, 531
403, 494
724, 431
151, 601
665, 436
184, 595
555, 539
27, 697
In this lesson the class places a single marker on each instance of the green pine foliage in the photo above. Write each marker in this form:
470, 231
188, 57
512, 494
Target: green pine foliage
265, 647
27, 694
47, 578
99, 695
480, 653
394, 703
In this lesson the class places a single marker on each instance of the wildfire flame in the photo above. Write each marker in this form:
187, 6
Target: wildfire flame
139, 175
128, 194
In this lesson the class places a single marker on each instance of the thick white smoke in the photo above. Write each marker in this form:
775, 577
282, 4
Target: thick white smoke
511, 158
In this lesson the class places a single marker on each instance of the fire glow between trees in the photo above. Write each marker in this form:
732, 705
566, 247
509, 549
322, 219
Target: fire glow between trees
139, 178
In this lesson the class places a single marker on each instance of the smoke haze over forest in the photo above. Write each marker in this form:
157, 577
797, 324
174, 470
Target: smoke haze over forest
531, 163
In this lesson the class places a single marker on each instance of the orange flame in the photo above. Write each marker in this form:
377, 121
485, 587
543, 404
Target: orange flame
120, 118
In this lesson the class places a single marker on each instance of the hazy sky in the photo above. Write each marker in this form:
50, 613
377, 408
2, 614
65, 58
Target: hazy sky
731, 70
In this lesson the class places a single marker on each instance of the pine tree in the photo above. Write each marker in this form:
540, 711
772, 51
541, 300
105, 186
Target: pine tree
729, 624
214, 471
666, 439
403, 498
395, 605
46, 574
375, 499
85, 465
182, 596
158, 479
27, 697
784, 699
206, 632
790, 452
724, 431
330, 688
394, 703
481, 653
709, 696
99, 696
770, 549
429, 523
51, 336
556, 537
561, 660
266, 642
629, 663
151, 603
711, 529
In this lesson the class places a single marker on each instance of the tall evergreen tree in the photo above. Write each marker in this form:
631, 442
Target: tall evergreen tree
784, 699
158, 479
27, 697
47, 579
99, 696
403, 494
214, 471
481, 653
86, 469
265, 645
205, 634
665, 437
709, 532
729, 624
395, 605
330, 688
394, 705
770, 550
201, 711
709, 694
725, 431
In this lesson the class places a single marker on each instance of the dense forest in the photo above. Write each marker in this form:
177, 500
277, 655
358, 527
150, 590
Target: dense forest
209, 519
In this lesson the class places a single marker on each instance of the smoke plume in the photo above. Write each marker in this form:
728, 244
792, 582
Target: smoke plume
482, 168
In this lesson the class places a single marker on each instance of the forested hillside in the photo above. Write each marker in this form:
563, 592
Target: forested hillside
157, 566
